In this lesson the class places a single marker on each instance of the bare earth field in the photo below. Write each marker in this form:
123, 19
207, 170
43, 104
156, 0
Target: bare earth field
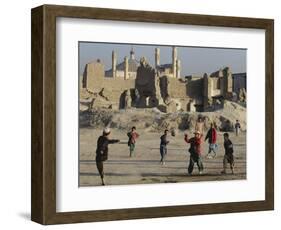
144, 167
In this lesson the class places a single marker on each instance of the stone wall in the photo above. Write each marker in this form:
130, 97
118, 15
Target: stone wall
116, 87
110, 89
176, 89
239, 82
194, 90
207, 90
93, 75
227, 83
94, 81
145, 81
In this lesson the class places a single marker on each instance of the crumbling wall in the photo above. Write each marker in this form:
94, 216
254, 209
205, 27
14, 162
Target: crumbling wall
105, 91
145, 81
207, 91
194, 90
163, 85
93, 75
113, 90
176, 88
227, 83
117, 86
147, 86
216, 86
239, 82
95, 82
182, 93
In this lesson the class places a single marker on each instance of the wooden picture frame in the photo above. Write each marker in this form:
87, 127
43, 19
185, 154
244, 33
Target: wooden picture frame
43, 189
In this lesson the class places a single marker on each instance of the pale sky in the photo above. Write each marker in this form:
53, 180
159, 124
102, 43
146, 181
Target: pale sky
194, 60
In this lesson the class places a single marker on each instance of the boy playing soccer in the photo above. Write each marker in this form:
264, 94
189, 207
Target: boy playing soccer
212, 138
133, 135
195, 151
228, 156
163, 146
237, 127
102, 151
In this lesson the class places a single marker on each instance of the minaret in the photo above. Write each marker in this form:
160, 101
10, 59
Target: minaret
175, 54
113, 64
157, 57
126, 68
132, 54
178, 68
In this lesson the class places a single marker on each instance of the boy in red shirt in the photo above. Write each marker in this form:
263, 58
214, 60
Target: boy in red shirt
195, 151
133, 135
212, 139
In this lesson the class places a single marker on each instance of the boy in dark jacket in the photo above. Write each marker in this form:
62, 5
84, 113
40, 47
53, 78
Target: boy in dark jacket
195, 151
212, 139
163, 146
102, 151
228, 156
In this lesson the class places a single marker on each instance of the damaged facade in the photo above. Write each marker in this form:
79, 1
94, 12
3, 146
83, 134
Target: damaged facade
133, 83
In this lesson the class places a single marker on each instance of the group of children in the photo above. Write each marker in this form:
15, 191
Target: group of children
195, 149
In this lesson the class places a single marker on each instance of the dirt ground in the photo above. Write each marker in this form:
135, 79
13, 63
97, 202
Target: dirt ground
144, 167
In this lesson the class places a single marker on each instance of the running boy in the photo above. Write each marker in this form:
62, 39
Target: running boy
163, 146
212, 139
133, 135
195, 151
228, 156
237, 127
199, 126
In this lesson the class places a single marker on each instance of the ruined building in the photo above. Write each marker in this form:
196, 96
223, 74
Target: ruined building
133, 83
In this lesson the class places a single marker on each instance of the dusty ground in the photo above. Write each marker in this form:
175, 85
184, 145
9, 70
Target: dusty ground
144, 167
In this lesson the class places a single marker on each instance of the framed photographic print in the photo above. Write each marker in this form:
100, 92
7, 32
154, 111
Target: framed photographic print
139, 114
